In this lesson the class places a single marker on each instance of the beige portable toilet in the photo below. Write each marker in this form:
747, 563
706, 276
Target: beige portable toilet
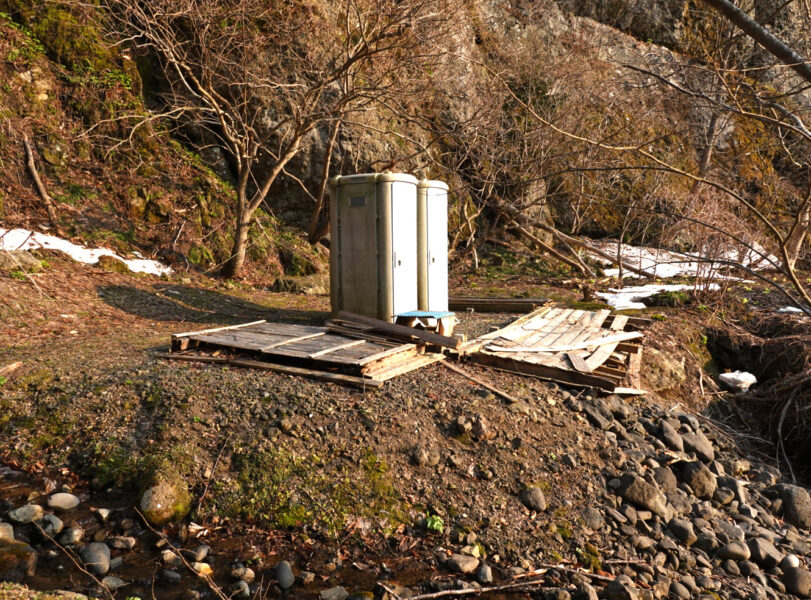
373, 250
432, 246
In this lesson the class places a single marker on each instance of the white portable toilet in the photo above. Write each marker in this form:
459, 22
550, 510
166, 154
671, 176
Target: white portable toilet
373, 249
432, 246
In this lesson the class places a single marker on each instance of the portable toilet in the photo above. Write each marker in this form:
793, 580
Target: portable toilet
432, 246
373, 250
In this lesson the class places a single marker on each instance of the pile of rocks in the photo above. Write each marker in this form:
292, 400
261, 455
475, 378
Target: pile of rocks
682, 515
41, 525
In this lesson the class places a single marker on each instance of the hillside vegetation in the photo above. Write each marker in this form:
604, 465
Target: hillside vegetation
528, 110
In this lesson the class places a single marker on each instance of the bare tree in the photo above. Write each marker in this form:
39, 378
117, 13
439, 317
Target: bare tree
259, 76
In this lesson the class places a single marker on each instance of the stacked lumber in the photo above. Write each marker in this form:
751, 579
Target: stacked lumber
362, 356
481, 304
577, 347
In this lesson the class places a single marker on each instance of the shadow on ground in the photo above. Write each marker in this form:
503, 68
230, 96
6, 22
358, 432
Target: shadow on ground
168, 302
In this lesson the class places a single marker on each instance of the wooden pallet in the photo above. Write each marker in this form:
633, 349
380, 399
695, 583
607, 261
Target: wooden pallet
576, 347
314, 351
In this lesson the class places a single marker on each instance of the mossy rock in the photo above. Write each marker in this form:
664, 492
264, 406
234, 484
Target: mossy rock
112, 264
157, 211
676, 299
136, 203
317, 285
17, 561
14, 260
165, 498
200, 255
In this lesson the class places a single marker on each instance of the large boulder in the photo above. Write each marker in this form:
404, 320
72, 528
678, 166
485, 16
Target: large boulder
639, 492
699, 478
798, 581
17, 561
166, 498
796, 505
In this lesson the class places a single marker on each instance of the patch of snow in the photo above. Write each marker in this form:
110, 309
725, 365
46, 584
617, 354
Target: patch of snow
628, 298
740, 381
22, 239
667, 263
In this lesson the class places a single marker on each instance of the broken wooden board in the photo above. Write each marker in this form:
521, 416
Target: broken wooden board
578, 347
312, 350
396, 332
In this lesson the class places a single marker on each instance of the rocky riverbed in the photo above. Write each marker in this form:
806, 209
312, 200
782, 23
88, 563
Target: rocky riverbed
679, 513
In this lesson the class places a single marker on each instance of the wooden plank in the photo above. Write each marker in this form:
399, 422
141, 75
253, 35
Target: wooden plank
577, 330
633, 323
407, 333
255, 364
289, 329
578, 363
388, 363
305, 352
300, 338
599, 317
358, 334
215, 329
600, 355
611, 340
343, 346
560, 331
542, 371
492, 307
554, 326
519, 322
635, 368
361, 353
619, 323
606, 371
386, 353
242, 342
484, 299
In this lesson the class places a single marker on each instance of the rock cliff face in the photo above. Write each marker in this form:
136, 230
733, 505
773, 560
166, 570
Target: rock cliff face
660, 22
566, 60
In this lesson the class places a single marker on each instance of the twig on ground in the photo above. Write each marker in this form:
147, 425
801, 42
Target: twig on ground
515, 586
213, 470
211, 585
9, 369
46, 199
780, 444
73, 559
484, 384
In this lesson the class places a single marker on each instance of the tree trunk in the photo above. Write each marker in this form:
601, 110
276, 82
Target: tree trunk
801, 229
764, 37
319, 228
233, 265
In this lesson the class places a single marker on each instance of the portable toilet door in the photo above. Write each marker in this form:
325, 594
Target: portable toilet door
373, 250
432, 245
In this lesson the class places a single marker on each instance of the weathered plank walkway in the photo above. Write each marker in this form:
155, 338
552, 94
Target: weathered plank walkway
571, 346
309, 348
